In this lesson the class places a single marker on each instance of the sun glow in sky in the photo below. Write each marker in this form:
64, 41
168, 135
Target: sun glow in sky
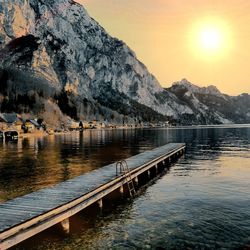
205, 41
210, 39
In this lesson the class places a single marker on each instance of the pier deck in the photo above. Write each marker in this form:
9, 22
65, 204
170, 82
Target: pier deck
25, 216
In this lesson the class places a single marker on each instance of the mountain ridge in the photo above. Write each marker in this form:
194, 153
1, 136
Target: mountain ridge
218, 106
56, 59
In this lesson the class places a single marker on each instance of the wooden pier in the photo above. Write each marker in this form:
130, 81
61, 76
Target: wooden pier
26, 216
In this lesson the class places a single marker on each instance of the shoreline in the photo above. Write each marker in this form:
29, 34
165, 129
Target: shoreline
45, 134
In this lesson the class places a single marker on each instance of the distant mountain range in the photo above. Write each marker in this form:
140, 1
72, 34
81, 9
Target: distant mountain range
57, 62
210, 106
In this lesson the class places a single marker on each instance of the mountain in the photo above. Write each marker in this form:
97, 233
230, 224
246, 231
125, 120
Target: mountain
55, 59
210, 106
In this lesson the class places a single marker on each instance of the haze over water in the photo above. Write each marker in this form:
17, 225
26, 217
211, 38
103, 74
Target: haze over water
203, 201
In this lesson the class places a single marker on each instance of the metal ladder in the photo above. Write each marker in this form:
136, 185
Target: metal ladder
124, 169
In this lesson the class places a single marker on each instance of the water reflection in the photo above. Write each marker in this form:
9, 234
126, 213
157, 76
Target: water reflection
202, 203
33, 163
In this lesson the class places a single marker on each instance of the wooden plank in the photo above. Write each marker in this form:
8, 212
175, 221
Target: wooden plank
39, 210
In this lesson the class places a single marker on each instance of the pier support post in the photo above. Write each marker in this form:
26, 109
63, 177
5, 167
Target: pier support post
100, 203
156, 169
136, 181
65, 226
121, 190
149, 174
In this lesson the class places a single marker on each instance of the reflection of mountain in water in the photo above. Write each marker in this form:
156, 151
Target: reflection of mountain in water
34, 163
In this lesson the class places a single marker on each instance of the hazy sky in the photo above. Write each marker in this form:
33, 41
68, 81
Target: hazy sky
205, 41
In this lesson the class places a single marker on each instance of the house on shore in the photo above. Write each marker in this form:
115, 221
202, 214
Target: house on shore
10, 121
28, 127
32, 125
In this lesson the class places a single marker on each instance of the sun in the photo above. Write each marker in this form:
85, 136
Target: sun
210, 38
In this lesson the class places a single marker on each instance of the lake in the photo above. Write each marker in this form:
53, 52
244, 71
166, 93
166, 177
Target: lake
202, 202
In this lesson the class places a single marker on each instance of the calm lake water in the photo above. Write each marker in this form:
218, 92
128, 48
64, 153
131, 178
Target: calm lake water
202, 202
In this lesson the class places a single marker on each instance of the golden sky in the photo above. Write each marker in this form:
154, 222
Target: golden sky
205, 41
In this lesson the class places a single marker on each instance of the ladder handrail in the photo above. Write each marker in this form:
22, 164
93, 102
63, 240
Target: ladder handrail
127, 174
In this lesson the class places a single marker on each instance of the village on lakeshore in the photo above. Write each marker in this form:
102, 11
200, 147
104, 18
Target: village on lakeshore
13, 125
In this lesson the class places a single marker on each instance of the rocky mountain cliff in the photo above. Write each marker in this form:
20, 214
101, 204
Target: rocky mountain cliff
55, 59
210, 106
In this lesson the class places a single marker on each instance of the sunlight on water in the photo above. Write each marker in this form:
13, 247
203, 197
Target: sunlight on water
202, 202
